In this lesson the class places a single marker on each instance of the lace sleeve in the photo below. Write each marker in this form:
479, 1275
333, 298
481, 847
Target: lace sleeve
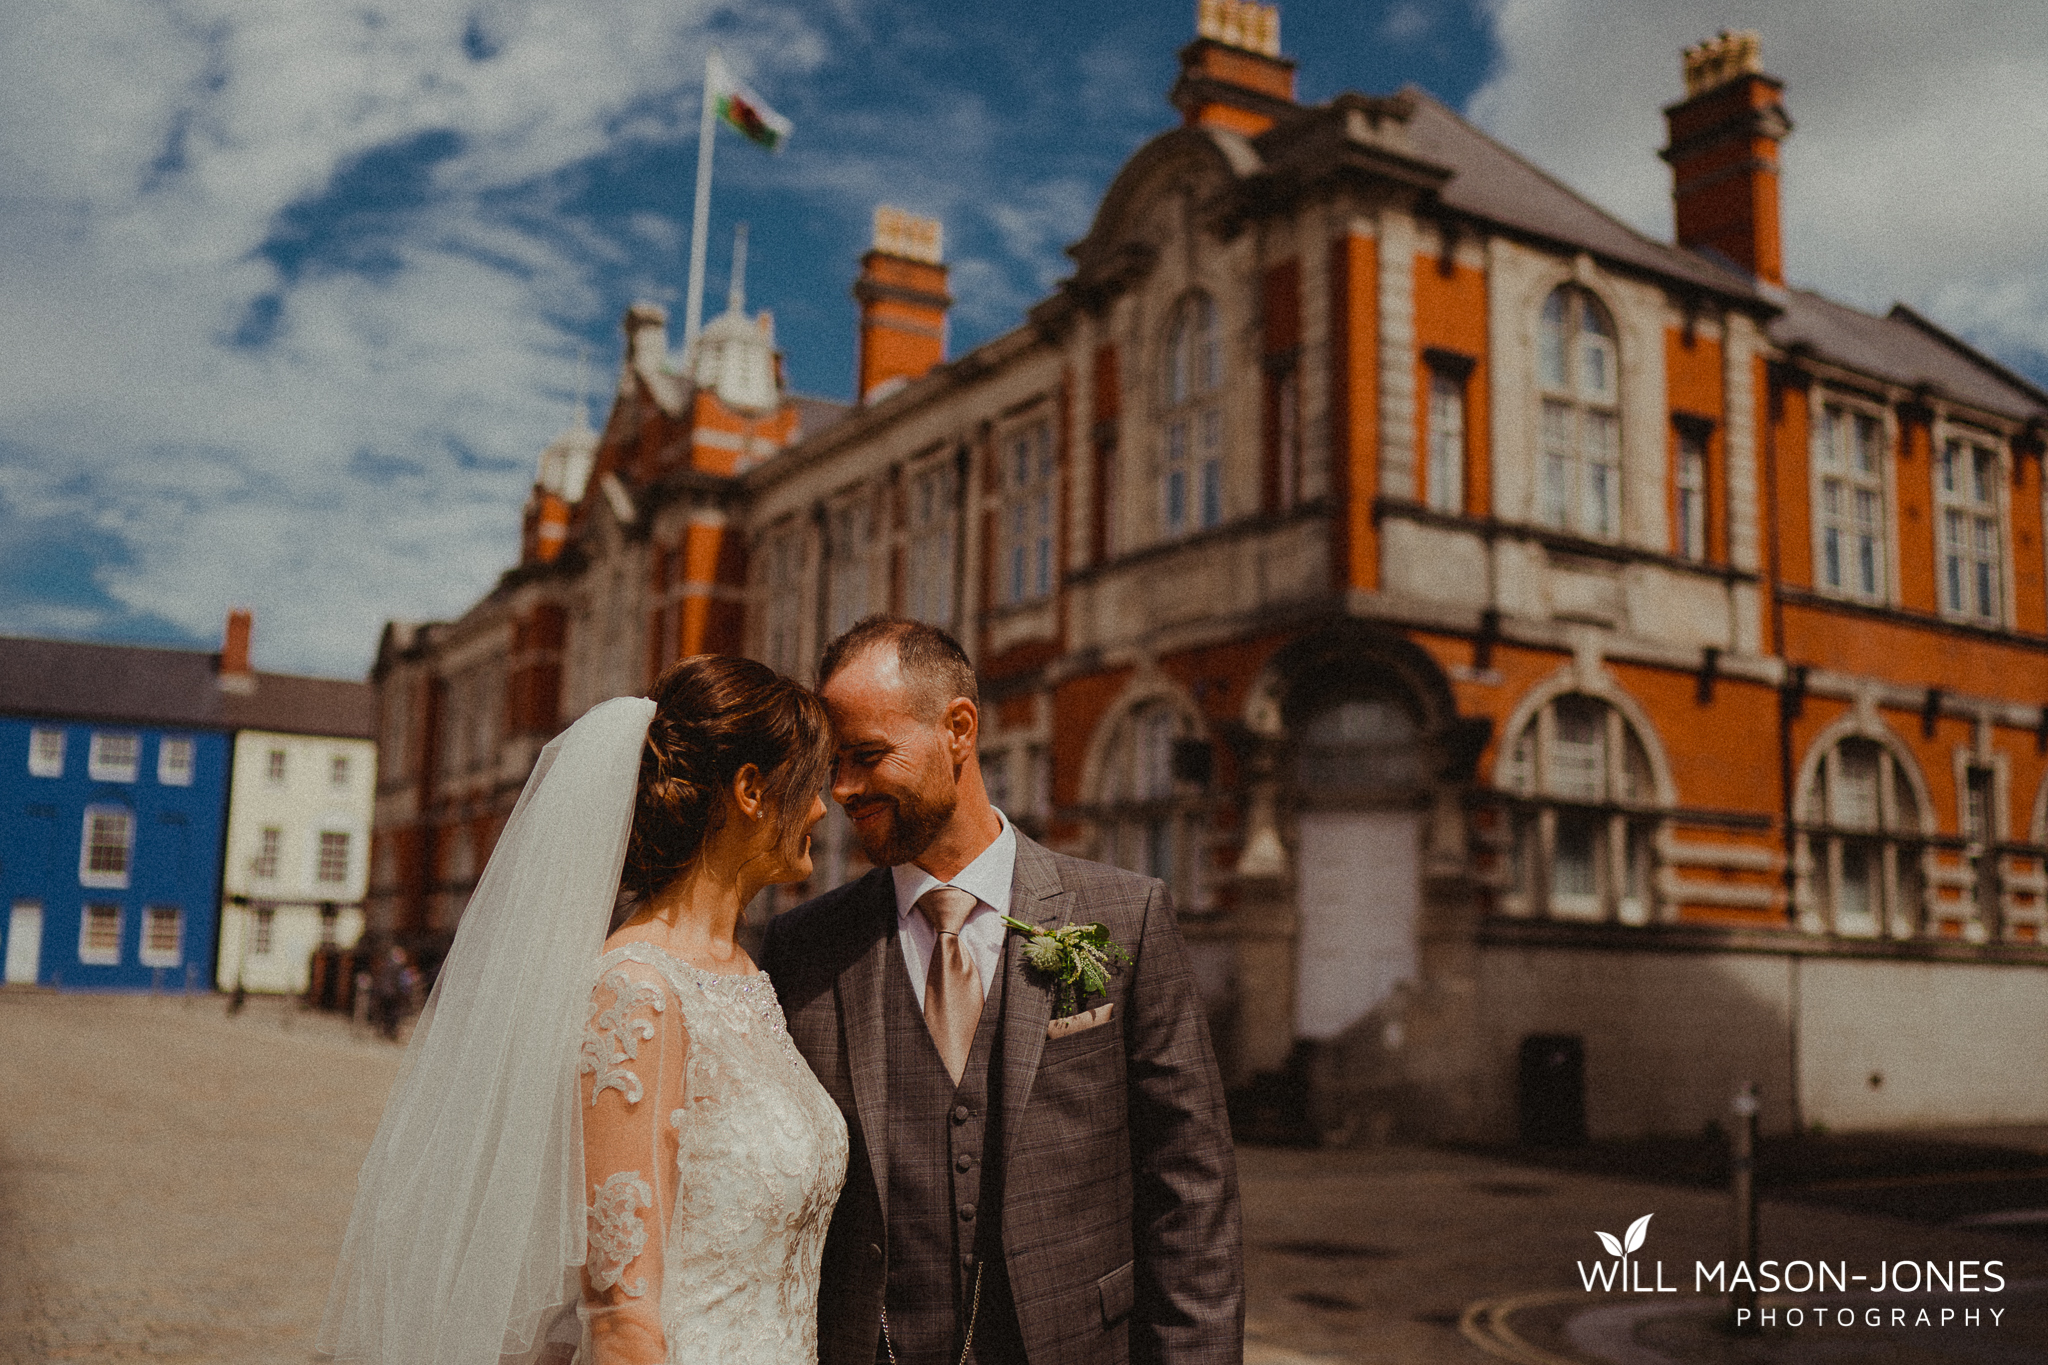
634, 1047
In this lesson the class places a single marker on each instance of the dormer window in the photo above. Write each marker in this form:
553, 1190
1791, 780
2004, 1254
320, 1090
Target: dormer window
1579, 374
1191, 474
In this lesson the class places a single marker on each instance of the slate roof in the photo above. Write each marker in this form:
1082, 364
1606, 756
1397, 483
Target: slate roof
1492, 182
146, 685
1906, 349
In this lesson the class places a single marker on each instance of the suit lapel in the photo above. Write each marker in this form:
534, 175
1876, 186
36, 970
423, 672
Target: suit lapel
860, 1014
1036, 897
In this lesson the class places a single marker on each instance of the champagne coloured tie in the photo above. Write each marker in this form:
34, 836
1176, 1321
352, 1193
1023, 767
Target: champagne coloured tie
952, 988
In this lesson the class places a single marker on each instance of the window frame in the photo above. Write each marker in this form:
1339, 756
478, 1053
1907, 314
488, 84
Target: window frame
104, 878
173, 774
101, 766
322, 862
152, 956
931, 521
1567, 449
90, 956
783, 560
1621, 812
1877, 483
40, 763
1957, 500
1027, 511
849, 534
268, 859
1827, 832
1445, 452
1191, 496
1692, 499
1149, 818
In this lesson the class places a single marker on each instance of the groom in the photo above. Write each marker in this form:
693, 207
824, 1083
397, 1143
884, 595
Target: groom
1022, 1188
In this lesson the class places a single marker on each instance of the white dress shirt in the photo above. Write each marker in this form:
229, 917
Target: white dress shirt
987, 879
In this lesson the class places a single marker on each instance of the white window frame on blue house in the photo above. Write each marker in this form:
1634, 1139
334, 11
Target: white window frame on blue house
104, 879
175, 761
153, 956
46, 751
88, 954
115, 756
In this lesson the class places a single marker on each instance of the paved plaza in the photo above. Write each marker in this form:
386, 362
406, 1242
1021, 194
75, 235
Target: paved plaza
174, 1183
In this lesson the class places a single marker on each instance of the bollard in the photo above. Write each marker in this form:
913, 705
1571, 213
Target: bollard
1742, 1188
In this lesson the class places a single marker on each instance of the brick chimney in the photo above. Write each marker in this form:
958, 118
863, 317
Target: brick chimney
903, 303
1724, 155
1233, 76
235, 673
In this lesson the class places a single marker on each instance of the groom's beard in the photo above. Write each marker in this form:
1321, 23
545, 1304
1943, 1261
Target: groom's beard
906, 830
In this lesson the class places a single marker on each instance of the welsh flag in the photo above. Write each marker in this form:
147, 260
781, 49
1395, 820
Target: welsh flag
744, 110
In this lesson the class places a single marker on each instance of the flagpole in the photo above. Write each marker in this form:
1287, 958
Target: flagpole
700, 219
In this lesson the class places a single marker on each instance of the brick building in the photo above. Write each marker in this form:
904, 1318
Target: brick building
1563, 675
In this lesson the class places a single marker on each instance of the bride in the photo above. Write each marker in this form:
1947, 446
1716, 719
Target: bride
610, 1147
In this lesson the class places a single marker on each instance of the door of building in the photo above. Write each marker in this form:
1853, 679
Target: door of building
1359, 892
24, 942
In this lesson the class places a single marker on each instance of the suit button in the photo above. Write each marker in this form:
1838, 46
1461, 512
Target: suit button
962, 1162
961, 1113
874, 1252
967, 1213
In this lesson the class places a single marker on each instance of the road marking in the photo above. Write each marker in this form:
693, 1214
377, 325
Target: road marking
1485, 1325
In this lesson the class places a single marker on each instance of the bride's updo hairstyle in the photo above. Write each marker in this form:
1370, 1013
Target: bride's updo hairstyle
714, 715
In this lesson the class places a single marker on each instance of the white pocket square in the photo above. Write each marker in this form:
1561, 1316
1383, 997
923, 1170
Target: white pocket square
1081, 1023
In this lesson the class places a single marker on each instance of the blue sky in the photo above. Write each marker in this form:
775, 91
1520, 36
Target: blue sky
291, 296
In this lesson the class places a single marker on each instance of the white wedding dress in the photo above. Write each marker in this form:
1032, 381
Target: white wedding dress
712, 1160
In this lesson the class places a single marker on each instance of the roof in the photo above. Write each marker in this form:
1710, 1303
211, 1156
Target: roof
813, 414
1491, 182
147, 685
1905, 349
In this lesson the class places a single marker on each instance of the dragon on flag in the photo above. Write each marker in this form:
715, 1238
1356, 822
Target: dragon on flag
742, 109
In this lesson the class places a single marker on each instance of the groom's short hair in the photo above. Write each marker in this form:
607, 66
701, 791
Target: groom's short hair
933, 663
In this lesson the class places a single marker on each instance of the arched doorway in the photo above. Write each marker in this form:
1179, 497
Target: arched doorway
1359, 781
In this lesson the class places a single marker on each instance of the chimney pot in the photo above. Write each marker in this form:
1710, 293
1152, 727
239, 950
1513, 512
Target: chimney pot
235, 673
1232, 75
1723, 152
903, 303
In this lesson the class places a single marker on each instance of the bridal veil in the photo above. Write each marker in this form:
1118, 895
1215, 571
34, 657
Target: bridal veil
469, 1220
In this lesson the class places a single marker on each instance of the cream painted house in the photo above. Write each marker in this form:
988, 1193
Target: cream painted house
298, 838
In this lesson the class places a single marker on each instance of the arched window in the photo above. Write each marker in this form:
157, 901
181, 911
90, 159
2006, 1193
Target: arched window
1154, 785
1584, 832
1191, 471
1578, 372
1859, 822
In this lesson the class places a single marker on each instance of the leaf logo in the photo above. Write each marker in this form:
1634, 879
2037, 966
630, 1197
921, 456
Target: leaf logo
1632, 1240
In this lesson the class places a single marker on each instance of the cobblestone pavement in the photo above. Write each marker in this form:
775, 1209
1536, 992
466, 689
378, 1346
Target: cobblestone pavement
174, 1183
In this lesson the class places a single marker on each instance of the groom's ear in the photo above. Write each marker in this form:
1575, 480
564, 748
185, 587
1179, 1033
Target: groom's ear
961, 721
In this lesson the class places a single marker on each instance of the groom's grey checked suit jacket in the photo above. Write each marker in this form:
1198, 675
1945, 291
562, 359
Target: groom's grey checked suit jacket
1117, 1184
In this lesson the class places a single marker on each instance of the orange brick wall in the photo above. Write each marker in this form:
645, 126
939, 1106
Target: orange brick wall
1450, 313
1354, 407
1693, 385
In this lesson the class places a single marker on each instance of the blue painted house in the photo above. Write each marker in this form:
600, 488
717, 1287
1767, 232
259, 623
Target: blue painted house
114, 790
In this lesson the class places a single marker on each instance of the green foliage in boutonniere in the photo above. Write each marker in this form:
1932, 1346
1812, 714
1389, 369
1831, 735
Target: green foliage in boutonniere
1080, 959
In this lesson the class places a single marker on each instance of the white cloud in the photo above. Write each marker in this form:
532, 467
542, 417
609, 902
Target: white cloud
1406, 22
370, 460
1915, 168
